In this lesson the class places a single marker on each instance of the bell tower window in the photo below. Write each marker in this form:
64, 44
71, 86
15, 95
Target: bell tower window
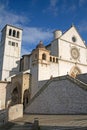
17, 34
14, 33
10, 32
44, 56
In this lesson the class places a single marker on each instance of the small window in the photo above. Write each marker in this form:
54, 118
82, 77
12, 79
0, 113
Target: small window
43, 56
17, 34
13, 43
53, 59
9, 43
50, 58
10, 32
14, 33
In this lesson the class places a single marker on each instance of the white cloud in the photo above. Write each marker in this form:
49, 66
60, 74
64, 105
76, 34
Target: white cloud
68, 6
34, 35
82, 26
53, 3
82, 2
72, 8
6, 17
25, 51
63, 7
52, 7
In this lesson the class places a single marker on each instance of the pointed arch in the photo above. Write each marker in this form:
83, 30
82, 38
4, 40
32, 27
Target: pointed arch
75, 70
16, 94
26, 97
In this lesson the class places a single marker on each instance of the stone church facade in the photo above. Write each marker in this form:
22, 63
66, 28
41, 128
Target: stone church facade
41, 75
67, 54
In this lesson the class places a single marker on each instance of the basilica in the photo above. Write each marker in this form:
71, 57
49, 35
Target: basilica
52, 79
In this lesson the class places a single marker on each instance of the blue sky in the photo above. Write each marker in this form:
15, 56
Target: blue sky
39, 18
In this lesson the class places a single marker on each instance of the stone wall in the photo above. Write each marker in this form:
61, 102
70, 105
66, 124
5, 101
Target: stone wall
61, 96
15, 112
5, 91
2, 94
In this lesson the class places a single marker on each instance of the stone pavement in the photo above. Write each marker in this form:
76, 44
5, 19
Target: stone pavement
50, 122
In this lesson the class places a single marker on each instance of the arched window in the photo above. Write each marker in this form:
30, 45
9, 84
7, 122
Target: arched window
44, 56
14, 33
26, 97
56, 60
53, 59
10, 32
50, 58
17, 34
15, 96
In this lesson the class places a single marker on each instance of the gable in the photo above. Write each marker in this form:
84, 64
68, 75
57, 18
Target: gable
72, 36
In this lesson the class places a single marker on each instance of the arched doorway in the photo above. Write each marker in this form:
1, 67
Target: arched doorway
26, 97
75, 71
16, 94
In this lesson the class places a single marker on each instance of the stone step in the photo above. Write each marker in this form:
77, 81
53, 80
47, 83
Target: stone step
29, 127
19, 126
62, 128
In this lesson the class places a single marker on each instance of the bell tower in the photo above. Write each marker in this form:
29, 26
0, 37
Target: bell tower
41, 58
40, 65
10, 49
